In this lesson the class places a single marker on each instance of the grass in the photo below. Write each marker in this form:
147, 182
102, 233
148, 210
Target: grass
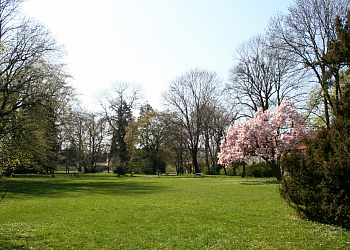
100, 211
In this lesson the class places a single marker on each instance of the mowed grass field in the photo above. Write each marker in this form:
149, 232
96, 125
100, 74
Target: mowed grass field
101, 211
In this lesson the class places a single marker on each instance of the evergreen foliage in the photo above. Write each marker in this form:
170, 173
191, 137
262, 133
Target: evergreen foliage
319, 187
120, 168
319, 184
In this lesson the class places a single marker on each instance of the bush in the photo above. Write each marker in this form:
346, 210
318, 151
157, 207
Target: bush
206, 171
261, 169
120, 168
319, 183
230, 171
170, 168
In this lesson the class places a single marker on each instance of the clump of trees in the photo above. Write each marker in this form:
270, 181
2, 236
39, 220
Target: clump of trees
85, 141
34, 95
308, 33
200, 117
148, 140
41, 124
118, 108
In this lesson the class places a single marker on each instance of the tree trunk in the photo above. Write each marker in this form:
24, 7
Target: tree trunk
195, 164
243, 172
181, 161
154, 167
207, 152
326, 111
276, 170
193, 153
225, 170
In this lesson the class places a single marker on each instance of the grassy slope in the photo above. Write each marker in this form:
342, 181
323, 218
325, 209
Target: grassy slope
103, 212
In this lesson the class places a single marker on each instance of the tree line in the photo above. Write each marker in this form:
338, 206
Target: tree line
301, 58
34, 95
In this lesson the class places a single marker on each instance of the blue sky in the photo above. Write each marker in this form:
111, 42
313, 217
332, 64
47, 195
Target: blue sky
149, 42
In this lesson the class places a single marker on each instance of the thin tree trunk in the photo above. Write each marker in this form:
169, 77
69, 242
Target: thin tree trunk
326, 111
207, 152
243, 172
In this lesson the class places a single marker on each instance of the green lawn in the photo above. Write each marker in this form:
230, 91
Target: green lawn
100, 211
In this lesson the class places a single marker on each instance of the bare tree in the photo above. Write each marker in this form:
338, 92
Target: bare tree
217, 120
188, 96
85, 140
263, 77
9, 17
305, 33
96, 127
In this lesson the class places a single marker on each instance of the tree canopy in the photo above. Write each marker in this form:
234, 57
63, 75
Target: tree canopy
267, 135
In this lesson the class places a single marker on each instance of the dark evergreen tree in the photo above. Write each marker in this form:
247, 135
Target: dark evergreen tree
319, 184
119, 123
118, 106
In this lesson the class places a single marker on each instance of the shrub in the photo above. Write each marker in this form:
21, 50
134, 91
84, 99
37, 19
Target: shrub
230, 171
202, 167
120, 168
222, 171
206, 171
319, 184
261, 169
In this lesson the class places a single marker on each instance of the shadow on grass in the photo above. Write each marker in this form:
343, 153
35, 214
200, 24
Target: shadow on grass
64, 176
59, 188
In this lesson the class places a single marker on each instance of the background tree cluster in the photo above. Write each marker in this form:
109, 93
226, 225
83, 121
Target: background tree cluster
41, 124
200, 116
148, 138
38, 107
34, 95
85, 141
196, 119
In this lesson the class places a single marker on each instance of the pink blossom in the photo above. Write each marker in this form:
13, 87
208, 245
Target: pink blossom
267, 135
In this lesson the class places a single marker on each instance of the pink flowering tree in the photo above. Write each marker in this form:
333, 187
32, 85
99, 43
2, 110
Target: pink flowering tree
267, 135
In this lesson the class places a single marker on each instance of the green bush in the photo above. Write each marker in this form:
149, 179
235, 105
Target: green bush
261, 169
230, 171
120, 168
206, 171
319, 183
